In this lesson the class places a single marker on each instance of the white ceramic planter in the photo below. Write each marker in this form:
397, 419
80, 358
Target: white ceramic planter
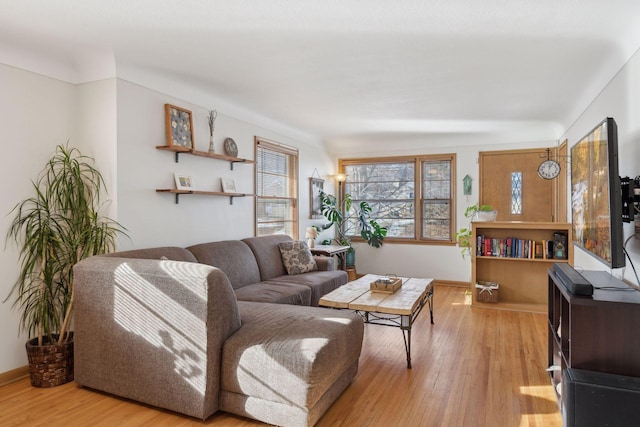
485, 216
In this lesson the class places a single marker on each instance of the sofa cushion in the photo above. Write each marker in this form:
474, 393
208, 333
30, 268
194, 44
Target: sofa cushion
285, 361
275, 292
233, 257
267, 254
320, 282
296, 257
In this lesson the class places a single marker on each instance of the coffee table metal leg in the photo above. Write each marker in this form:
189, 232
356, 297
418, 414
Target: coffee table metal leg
405, 325
430, 300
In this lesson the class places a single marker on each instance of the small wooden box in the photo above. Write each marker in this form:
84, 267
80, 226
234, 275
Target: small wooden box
386, 285
487, 292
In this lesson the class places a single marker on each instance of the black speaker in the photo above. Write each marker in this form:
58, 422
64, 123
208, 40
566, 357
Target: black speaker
559, 246
591, 399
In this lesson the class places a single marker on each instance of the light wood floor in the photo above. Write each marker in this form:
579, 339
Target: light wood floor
474, 367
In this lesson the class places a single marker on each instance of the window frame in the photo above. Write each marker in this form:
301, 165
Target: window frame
418, 199
265, 144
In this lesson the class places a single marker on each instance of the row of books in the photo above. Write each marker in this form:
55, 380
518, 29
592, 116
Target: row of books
512, 247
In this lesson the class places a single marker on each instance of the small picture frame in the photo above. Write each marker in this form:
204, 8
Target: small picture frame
316, 186
179, 124
228, 185
184, 182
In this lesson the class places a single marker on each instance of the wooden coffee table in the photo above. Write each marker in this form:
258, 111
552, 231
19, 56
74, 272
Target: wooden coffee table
399, 309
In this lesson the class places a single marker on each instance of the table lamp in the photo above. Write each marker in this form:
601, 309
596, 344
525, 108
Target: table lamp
311, 233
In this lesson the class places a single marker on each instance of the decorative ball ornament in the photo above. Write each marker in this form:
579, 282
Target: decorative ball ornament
549, 169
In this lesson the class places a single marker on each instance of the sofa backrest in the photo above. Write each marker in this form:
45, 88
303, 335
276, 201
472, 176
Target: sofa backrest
168, 318
233, 257
173, 253
267, 254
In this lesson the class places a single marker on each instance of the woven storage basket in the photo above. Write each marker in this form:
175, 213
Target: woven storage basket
487, 291
351, 273
50, 365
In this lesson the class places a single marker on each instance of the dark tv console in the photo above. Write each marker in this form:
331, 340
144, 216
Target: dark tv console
594, 333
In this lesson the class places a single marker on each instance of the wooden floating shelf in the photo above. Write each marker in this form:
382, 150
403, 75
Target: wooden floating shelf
180, 150
178, 193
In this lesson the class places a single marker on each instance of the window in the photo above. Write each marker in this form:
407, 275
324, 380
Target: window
436, 199
276, 189
516, 193
411, 196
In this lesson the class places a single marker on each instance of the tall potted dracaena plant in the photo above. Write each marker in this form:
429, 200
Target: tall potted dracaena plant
54, 229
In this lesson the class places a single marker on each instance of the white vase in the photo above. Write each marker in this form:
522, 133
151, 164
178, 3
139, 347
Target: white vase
211, 149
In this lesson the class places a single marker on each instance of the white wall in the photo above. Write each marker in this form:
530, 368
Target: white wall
153, 219
95, 132
620, 100
37, 113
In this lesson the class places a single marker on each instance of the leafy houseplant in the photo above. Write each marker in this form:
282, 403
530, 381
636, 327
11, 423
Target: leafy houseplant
55, 228
463, 235
340, 215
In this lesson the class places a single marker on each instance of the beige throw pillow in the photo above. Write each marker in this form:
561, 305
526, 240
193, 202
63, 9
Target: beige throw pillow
297, 257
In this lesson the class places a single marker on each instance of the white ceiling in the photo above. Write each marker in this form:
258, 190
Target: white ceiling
341, 68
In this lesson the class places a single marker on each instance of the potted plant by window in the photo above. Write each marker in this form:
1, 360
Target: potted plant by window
473, 213
54, 229
341, 215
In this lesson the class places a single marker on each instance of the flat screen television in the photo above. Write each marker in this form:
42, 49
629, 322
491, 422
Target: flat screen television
596, 198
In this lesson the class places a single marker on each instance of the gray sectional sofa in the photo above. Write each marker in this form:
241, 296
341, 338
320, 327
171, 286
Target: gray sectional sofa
215, 326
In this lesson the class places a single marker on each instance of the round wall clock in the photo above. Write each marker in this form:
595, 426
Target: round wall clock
549, 169
230, 147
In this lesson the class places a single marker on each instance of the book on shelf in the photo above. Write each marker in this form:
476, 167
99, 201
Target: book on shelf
513, 247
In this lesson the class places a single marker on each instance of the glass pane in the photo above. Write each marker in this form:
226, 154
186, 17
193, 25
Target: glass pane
397, 216
274, 216
272, 162
437, 224
389, 189
380, 181
436, 229
274, 209
516, 193
273, 185
275, 228
436, 179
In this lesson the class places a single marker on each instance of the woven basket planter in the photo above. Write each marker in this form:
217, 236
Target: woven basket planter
50, 365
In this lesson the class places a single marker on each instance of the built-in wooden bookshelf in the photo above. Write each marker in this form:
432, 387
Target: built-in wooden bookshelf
523, 279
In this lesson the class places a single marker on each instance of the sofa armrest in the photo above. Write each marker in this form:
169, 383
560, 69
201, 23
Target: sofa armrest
153, 330
325, 263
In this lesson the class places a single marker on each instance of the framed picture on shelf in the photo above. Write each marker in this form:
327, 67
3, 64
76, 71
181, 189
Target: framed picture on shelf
184, 182
228, 185
179, 124
316, 186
